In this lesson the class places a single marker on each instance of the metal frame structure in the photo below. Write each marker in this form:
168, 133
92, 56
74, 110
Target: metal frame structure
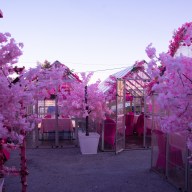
120, 118
134, 84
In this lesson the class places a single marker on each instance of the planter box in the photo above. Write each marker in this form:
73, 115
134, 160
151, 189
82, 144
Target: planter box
88, 144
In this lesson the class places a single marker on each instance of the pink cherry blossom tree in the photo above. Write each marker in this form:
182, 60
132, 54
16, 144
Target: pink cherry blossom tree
172, 80
14, 100
20, 89
85, 101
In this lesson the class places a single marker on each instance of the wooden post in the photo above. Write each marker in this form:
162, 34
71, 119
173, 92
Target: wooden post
56, 123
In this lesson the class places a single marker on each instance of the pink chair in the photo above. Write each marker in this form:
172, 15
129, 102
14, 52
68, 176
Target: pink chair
47, 116
6, 154
140, 125
109, 131
175, 154
129, 124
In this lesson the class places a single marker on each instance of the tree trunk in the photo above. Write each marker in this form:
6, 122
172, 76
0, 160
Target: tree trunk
23, 171
87, 117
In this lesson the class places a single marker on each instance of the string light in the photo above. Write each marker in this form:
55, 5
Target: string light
99, 70
92, 64
104, 69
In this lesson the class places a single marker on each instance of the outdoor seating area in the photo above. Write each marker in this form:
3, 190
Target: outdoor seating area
88, 128
130, 112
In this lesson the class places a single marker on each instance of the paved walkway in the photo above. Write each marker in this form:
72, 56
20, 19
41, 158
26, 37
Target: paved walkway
66, 170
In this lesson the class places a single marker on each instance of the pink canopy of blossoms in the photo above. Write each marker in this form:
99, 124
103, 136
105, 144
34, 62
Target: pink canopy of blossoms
43, 82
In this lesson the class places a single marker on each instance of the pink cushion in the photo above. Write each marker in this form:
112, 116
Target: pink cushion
109, 131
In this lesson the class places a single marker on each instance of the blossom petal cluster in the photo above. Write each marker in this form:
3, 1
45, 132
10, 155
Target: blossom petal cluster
151, 51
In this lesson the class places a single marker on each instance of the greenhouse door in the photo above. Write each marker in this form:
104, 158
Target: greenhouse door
120, 118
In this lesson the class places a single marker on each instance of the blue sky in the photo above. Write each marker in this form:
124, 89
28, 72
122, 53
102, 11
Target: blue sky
92, 35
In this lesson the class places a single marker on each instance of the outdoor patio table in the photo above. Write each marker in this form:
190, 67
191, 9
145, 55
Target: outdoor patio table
49, 125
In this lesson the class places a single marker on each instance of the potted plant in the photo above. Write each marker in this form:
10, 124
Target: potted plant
85, 100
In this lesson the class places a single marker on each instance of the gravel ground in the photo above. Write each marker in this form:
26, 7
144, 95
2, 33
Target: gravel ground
66, 170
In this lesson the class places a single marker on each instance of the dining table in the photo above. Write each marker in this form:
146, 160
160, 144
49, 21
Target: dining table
49, 125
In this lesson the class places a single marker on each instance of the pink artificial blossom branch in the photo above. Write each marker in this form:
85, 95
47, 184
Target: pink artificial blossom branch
187, 78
